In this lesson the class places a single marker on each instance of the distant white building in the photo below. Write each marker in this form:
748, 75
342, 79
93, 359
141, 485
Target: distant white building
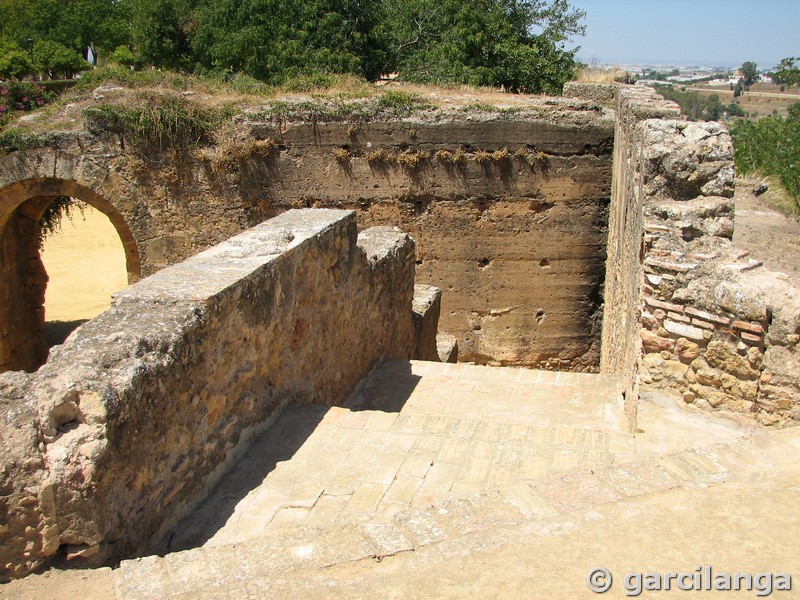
724, 81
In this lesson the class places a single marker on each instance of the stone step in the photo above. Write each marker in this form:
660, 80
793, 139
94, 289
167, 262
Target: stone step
218, 571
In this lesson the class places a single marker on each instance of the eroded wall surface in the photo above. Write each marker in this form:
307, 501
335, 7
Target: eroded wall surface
509, 210
142, 408
514, 232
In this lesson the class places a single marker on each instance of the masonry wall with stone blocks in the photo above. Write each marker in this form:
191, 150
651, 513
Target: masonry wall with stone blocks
717, 327
138, 413
684, 309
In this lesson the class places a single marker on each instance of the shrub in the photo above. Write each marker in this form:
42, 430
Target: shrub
379, 156
482, 156
341, 155
122, 56
770, 147
400, 104
21, 96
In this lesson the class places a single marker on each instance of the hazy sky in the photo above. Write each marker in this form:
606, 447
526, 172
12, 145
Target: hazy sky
709, 32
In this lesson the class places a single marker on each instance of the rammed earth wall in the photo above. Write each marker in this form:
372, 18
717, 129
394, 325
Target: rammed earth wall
509, 210
138, 413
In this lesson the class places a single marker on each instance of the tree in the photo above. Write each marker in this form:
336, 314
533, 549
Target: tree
76, 24
787, 73
162, 31
515, 44
14, 62
275, 40
713, 108
56, 59
794, 112
749, 74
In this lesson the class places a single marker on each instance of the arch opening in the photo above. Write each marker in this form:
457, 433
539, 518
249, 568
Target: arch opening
85, 264
23, 344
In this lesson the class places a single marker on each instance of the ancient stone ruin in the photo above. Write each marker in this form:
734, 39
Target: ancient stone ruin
589, 233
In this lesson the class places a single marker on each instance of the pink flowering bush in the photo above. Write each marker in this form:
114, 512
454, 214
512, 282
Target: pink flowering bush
20, 96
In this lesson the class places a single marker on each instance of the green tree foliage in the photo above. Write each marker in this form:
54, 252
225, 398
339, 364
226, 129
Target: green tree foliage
699, 107
794, 112
788, 72
749, 74
162, 31
77, 24
770, 147
515, 44
276, 40
14, 62
714, 108
54, 60
518, 44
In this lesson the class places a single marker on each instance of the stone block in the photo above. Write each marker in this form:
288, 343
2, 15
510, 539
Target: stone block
723, 355
447, 348
683, 330
426, 307
652, 342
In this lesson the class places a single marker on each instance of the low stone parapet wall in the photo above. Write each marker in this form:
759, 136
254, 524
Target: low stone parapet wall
131, 421
685, 310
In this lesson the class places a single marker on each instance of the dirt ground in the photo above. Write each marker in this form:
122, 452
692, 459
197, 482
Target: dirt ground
86, 264
94, 584
769, 236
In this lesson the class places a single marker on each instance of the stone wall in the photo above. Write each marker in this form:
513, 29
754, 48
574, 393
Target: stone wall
508, 208
687, 312
135, 416
514, 231
621, 351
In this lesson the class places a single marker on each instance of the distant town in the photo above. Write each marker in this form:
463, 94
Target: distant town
682, 74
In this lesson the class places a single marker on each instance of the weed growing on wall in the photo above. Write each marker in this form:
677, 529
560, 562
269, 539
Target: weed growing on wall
51, 219
16, 139
158, 119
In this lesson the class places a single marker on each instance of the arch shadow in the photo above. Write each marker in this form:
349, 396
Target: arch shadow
23, 279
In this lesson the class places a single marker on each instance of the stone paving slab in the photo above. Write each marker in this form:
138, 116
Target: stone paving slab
668, 532
415, 435
425, 454
483, 525
418, 434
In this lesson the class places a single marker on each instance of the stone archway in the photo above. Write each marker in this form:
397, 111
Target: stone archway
24, 280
